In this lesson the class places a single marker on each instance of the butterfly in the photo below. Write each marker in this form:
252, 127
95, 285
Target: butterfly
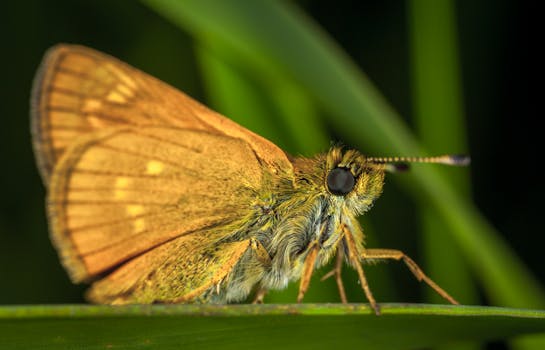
154, 198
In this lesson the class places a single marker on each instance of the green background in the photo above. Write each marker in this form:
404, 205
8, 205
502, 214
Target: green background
461, 76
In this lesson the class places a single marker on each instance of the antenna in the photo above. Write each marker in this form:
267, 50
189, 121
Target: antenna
396, 164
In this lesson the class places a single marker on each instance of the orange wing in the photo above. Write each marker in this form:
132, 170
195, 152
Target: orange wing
134, 167
120, 193
78, 90
187, 269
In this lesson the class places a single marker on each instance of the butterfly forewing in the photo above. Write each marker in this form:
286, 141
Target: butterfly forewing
79, 90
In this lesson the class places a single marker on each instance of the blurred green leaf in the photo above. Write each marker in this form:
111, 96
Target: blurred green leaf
269, 104
226, 86
309, 326
439, 116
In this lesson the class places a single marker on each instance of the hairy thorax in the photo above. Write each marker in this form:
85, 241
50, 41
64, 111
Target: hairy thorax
293, 217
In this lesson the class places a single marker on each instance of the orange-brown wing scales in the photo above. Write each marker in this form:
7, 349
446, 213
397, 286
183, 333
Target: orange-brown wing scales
197, 266
79, 90
119, 193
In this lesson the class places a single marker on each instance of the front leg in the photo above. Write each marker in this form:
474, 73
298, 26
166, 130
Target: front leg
336, 272
260, 252
308, 268
259, 296
263, 256
415, 269
355, 260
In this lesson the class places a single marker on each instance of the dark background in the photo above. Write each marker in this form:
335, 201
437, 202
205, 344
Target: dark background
501, 93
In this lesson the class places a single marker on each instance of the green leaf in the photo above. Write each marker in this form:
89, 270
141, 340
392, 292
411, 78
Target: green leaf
271, 105
438, 112
306, 326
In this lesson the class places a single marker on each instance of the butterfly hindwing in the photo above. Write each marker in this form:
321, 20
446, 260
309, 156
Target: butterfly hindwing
186, 269
121, 192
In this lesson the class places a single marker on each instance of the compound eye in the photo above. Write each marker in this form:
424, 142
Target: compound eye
340, 181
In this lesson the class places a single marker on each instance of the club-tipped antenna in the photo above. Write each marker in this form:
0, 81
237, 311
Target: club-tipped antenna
397, 164
448, 159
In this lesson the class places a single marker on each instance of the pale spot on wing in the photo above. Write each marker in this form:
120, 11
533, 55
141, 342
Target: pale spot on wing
154, 167
121, 75
135, 209
125, 90
91, 104
120, 194
120, 184
139, 225
116, 97
96, 122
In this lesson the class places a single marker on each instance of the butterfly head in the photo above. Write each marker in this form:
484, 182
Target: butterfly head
351, 178
357, 180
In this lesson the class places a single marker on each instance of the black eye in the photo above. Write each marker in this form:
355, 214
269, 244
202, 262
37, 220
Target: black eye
340, 181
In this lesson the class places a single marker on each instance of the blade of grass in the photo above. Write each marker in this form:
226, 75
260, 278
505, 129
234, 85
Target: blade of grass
282, 101
438, 111
298, 327
439, 116
226, 86
277, 39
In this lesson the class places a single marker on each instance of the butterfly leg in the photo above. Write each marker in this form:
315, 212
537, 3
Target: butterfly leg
355, 260
265, 259
261, 253
260, 295
415, 269
308, 268
336, 272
